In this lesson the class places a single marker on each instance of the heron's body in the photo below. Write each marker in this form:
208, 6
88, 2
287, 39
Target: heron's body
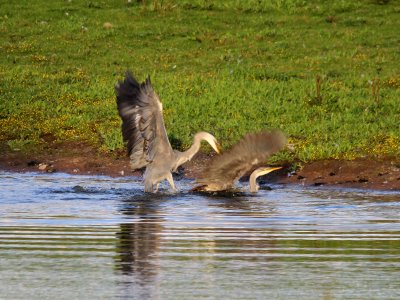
160, 169
224, 170
143, 128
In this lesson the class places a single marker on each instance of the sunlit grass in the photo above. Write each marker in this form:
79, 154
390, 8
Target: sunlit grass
227, 67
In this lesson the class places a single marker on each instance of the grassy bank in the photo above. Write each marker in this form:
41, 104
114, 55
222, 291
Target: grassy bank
325, 72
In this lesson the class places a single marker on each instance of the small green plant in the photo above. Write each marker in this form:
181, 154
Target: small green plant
375, 90
317, 99
20, 144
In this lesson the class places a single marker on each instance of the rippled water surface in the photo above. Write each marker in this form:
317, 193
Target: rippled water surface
90, 237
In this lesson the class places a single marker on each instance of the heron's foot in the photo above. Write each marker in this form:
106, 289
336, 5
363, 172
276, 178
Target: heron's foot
149, 188
171, 182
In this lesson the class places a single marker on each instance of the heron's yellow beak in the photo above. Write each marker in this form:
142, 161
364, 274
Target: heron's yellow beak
267, 170
209, 138
215, 145
275, 168
218, 147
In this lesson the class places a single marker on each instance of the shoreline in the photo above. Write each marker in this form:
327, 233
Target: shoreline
80, 159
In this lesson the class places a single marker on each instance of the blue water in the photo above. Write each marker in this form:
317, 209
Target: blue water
89, 237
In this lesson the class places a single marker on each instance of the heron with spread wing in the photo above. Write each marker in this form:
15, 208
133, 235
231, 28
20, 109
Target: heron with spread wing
224, 170
143, 128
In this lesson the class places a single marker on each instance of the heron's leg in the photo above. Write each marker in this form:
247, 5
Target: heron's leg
148, 181
148, 187
171, 182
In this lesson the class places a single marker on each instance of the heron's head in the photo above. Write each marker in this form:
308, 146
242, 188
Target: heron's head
259, 172
209, 138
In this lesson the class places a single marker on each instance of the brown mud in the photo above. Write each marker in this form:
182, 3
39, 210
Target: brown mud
78, 158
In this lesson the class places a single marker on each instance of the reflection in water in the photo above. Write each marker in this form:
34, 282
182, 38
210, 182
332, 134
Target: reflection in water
137, 245
229, 202
106, 239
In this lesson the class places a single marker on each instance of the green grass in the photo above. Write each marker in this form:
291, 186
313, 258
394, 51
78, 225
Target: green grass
227, 67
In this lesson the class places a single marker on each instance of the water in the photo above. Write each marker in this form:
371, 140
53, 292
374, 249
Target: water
91, 237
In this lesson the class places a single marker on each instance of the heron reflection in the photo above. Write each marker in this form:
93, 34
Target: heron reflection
138, 240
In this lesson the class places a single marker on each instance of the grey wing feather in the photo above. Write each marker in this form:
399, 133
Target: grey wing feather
249, 152
142, 122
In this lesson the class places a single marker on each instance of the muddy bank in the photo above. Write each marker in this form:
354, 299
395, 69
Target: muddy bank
82, 159
358, 173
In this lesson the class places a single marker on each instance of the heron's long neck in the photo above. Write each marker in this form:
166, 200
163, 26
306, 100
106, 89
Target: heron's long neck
188, 154
252, 182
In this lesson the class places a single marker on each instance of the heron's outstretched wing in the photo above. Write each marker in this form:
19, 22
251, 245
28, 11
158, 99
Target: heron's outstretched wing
223, 170
142, 121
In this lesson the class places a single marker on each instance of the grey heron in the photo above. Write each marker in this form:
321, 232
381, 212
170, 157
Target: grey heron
143, 128
224, 170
